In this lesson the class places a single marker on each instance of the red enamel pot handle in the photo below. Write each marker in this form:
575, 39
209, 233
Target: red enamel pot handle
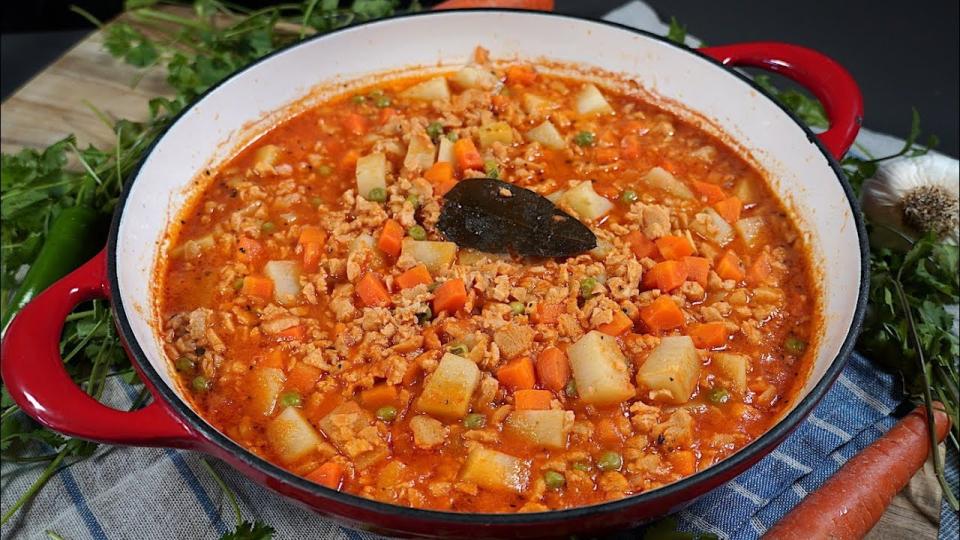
825, 78
34, 374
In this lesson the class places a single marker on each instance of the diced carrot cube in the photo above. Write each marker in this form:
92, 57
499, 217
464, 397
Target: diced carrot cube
259, 286
641, 246
391, 238
553, 369
379, 396
620, 324
521, 74
759, 270
730, 266
666, 276
708, 335
729, 209
450, 296
303, 377
662, 314
330, 475
517, 374
372, 291
674, 247
712, 192
698, 269
466, 155
529, 399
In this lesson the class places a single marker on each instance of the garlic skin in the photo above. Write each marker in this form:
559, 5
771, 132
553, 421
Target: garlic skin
913, 196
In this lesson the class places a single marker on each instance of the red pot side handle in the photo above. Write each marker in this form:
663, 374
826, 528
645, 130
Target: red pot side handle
825, 78
34, 375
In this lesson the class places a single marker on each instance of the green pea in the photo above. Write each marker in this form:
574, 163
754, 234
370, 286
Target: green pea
452, 137
417, 232
459, 349
629, 196
358, 99
381, 102
610, 461
517, 308
554, 480
795, 345
585, 138
587, 285
571, 389
491, 169
324, 170
435, 130
387, 413
184, 364
474, 421
718, 395
581, 466
413, 200
268, 227
291, 399
316, 201
238, 284
377, 194
425, 316
201, 383
376, 93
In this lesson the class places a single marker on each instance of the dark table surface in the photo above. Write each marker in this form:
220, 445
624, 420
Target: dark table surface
902, 54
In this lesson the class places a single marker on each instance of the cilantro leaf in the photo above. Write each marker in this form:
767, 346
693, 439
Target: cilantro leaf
250, 531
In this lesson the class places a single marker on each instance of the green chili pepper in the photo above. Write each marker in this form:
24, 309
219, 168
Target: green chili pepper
71, 240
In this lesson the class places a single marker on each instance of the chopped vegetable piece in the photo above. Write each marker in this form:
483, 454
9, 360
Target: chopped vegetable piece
711, 226
391, 238
291, 436
377, 195
712, 192
330, 474
491, 169
380, 395
418, 275
417, 233
600, 370
435, 89
542, 428
674, 247
185, 364
387, 413
709, 335
730, 267
259, 286
529, 399
303, 377
581, 466
662, 314
733, 368
439, 173
629, 196
372, 291
718, 396
684, 462
517, 374
610, 461
554, 480
436, 256
671, 371
450, 296
420, 152
583, 200
760, 269
698, 269
666, 276
521, 74
570, 390
372, 174
495, 132
475, 77
662, 179
553, 369
466, 155
448, 390
729, 209
285, 276
641, 246
547, 135
587, 285
590, 101
620, 324
517, 308
495, 471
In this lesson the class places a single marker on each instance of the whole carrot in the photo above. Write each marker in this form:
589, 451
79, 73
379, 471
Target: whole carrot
540, 5
851, 502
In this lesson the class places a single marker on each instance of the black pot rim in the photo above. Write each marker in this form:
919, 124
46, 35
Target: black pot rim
685, 488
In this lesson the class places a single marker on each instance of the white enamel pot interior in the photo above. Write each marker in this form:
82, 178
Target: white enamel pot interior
209, 131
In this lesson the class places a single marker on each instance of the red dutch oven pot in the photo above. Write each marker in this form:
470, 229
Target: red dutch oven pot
700, 79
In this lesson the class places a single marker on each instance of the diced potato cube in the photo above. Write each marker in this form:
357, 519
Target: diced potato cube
711, 226
350, 428
371, 173
600, 370
587, 203
671, 371
746, 192
591, 101
733, 368
291, 436
445, 152
448, 389
495, 471
265, 158
265, 385
662, 179
436, 256
544, 428
536, 105
547, 135
500, 132
420, 152
474, 77
427, 432
286, 281
556, 196
749, 229
435, 89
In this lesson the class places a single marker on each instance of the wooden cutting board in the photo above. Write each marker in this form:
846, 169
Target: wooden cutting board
61, 100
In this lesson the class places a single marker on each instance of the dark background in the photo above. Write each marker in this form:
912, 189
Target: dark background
902, 54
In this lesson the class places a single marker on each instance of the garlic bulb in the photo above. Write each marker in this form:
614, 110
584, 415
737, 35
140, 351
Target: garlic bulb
914, 197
